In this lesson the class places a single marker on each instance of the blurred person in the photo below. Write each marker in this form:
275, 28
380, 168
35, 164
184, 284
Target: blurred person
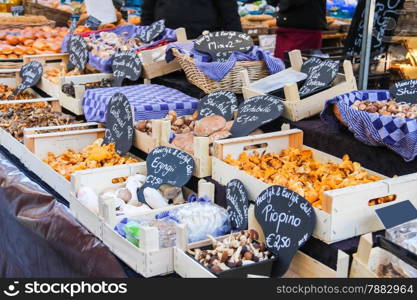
300, 25
195, 16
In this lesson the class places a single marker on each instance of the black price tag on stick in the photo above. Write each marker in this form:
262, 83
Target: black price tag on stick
18, 10
92, 23
287, 220
126, 64
320, 75
237, 204
78, 53
30, 73
396, 214
73, 25
405, 91
119, 123
152, 32
167, 165
221, 44
256, 112
221, 103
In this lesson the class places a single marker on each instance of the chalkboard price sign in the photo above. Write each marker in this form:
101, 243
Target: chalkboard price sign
221, 103
119, 123
18, 10
385, 22
320, 75
221, 44
167, 165
78, 53
152, 32
237, 204
256, 112
126, 64
92, 23
287, 220
30, 73
405, 91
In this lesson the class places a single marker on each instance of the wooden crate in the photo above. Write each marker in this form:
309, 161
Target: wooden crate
339, 208
149, 260
366, 259
296, 109
39, 144
49, 61
153, 61
11, 78
302, 266
75, 104
145, 142
201, 155
9, 142
100, 180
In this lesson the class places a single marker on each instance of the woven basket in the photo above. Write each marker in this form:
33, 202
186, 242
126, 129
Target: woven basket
59, 16
231, 82
338, 115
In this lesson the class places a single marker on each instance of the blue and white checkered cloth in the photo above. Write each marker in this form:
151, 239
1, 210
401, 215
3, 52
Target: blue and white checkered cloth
149, 101
218, 70
397, 134
128, 31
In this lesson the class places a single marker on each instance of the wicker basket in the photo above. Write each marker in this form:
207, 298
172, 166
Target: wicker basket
232, 82
59, 16
338, 115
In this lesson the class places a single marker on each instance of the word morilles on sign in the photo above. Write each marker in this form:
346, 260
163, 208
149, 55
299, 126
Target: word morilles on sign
221, 44
256, 112
78, 53
237, 204
221, 103
119, 123
320, 75
30, 73
287, 220
167, 165
126, 64
405, 91
152, 32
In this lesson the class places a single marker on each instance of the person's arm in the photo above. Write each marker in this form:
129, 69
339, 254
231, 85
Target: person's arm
148, 12
229, 17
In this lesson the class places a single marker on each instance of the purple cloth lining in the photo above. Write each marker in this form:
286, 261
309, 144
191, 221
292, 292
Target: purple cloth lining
218, 70
104, 64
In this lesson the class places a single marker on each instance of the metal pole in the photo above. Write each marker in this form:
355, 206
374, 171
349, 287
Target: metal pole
366, 44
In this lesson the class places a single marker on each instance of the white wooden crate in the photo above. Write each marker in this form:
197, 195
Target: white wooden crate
345, 212
366, 259
98, 180
39, 144
302, 266
74, 104
146, 261
145, 142
201, 155
49, 61
153, 60
296, 109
